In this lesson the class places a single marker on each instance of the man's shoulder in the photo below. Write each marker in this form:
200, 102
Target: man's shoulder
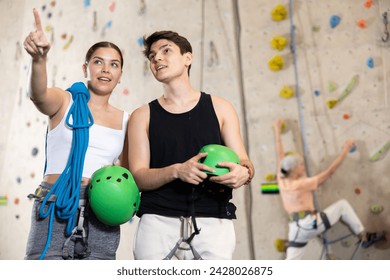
141, 111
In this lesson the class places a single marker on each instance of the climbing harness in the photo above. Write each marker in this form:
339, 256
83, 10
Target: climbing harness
63, 198
184, 242
296, 216
185, 224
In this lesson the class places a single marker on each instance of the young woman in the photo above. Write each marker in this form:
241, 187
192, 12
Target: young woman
62, 225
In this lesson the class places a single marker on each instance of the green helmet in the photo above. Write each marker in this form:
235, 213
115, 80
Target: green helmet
216, 154
113, 195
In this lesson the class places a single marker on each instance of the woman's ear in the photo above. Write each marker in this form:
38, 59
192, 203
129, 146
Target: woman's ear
84, 67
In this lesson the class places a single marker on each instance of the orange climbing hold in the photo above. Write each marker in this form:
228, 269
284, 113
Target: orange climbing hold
346, 116
358, 190
16, 201
368, 4
362, 23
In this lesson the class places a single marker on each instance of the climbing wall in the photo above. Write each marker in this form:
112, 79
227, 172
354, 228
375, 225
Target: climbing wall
334, 86
338, 89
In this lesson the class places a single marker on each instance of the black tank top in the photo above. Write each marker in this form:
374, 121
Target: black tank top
175, 138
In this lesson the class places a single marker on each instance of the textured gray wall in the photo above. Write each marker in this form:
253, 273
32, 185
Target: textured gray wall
231, 42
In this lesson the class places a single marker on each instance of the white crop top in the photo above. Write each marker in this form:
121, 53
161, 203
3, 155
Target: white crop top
104, 148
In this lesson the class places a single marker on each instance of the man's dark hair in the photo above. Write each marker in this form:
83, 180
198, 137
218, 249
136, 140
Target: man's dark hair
172, 36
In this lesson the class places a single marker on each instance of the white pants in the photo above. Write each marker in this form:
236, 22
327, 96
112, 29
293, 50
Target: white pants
156, 237
303, 231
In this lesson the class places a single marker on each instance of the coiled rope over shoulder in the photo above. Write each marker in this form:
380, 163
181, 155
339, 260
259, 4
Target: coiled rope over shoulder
66, 189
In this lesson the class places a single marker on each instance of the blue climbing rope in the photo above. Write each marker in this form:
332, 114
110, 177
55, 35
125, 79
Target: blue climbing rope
67, 188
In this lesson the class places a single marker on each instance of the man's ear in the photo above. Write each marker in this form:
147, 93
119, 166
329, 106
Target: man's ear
188, 58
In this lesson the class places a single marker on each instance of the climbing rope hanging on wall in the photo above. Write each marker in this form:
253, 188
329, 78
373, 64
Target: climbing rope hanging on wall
236, 18
297, 92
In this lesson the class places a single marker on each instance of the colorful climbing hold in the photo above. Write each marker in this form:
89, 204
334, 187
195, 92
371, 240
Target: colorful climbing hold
283, 127
376, 209
281, 245
291, 153
346, 116
279, 43
368, 4
86, 3
140, 41
370, 62
34, 151
316, 92
315, 28
332, 86
353, 149
381, 153
276, 63
334, 21
270, 177
111, 7
362, 23
286, 92
332, 103
358, 190
279, 13
70, 40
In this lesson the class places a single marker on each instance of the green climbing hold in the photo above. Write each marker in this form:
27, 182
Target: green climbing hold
376, 209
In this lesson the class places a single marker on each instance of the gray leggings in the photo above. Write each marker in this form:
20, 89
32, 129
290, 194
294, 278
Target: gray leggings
103, 240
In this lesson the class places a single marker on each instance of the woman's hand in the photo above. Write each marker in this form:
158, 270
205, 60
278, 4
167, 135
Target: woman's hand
36, 43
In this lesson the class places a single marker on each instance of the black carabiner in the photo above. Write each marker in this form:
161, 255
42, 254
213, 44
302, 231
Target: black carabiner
386, 35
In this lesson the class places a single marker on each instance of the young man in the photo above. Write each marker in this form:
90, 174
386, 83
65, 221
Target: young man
296, 191
185, 214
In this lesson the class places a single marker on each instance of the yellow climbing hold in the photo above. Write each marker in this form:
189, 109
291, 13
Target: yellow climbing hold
315, 28
270, 177
291, 153
276, 63
280, 245
283, 127
331, 103
279, 13
278, 43
286, 92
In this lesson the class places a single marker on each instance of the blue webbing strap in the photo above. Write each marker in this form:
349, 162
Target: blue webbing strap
67, 188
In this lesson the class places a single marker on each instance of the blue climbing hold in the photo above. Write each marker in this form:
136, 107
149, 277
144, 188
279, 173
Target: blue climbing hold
334, 21
140, 41
317, 92
353, 149
370, 62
